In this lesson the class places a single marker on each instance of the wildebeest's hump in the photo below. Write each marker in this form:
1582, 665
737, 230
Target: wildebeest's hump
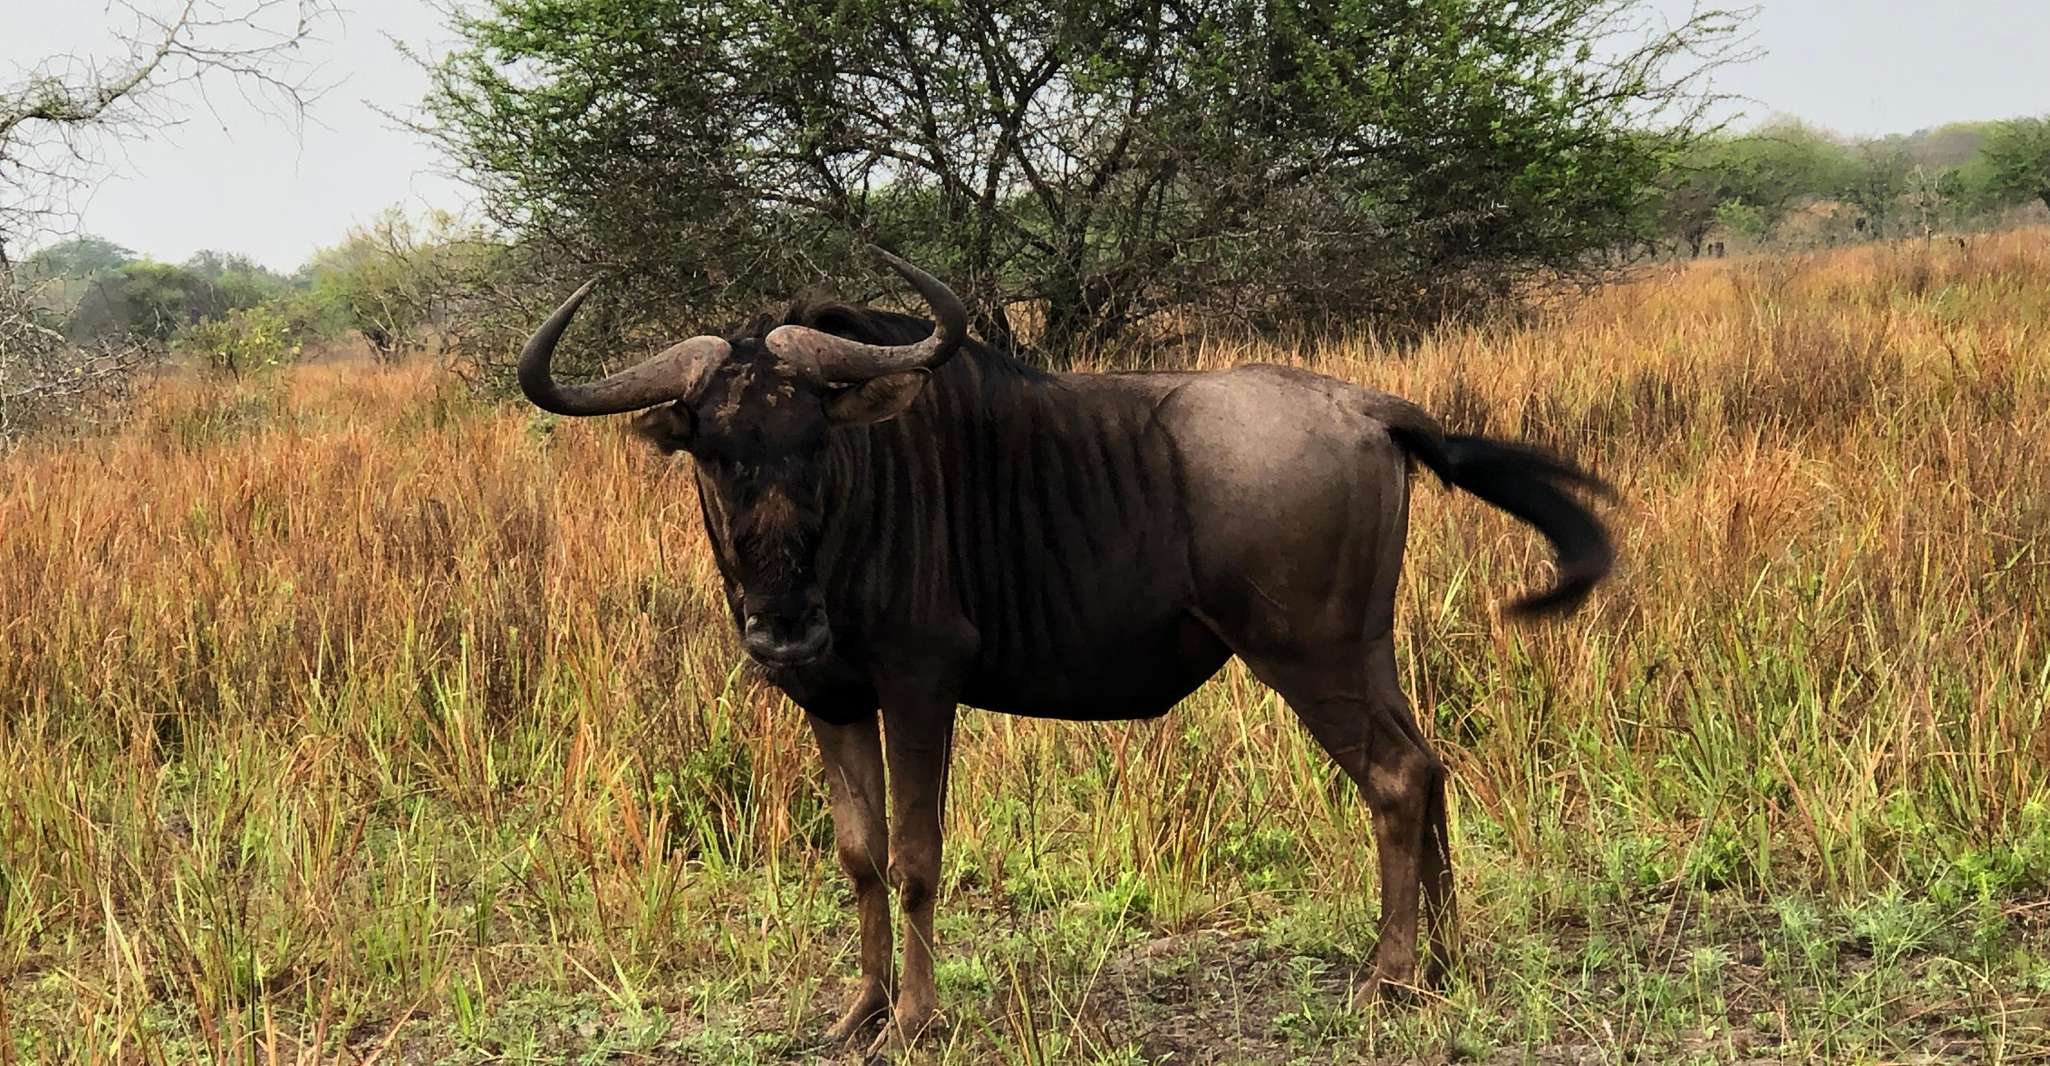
822, 308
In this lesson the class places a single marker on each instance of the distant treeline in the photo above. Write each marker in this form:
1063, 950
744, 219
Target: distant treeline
397, 286
388, 287
1791, 184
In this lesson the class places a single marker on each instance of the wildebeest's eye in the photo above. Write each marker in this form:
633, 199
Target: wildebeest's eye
670, 426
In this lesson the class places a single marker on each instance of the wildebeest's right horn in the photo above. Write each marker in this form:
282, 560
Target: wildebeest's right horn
667, 376
839, 359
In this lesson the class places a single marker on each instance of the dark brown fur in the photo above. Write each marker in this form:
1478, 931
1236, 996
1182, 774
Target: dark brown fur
1089, 547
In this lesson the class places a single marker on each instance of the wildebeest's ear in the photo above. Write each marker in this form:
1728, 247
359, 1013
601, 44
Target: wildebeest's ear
670, 426
878, 399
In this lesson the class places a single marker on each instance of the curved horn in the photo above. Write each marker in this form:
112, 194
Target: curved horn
839, 359
667, 376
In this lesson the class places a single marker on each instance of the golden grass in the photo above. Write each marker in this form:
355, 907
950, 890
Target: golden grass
340, 709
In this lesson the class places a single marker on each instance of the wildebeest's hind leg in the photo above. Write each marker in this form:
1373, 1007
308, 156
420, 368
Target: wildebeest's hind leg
854, 778
1359, 715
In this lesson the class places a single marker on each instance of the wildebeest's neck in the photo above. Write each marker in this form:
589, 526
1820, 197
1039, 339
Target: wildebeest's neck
905, 498
1023, 512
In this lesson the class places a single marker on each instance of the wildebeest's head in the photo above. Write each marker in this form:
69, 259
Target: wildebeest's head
754, 410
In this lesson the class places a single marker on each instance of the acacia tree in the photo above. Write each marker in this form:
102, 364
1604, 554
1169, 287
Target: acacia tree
1690, 193
1096, 162
1879, 182
80, 258
1772, 171
2017, 160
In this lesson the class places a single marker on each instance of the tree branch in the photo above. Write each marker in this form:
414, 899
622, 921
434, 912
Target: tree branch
48, 120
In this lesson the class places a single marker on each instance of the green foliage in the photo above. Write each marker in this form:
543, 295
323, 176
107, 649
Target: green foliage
155, 299
2017, 160
237, 280
1751, 185
1876, 183
1101, 163
243, 340
398, 283
362, 286
80, 257
1741, 218
1774, 169
395, 282
147, 298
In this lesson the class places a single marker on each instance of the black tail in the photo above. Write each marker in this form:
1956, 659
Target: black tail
1531, 484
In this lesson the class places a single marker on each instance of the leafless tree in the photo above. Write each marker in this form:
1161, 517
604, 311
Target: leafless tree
58, 119
44, 378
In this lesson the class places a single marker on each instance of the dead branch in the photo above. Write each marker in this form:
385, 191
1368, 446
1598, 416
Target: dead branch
46, 379
56, 118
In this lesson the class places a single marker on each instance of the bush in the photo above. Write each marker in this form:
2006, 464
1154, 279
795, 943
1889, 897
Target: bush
244, 340
398, 285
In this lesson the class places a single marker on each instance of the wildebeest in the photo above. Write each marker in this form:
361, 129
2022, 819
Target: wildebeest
905, 521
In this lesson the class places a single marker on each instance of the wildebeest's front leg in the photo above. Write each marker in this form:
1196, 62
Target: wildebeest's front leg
919, 736
854, 777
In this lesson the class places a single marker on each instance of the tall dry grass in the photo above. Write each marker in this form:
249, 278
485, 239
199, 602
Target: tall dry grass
340, 709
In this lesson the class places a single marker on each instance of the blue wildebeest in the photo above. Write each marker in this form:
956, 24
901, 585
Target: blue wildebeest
906, 521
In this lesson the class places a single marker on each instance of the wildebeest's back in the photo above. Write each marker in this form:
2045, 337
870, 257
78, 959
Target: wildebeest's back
1299, 502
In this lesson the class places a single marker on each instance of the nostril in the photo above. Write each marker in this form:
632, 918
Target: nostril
784, 641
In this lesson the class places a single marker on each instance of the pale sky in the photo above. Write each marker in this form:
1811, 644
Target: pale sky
245, 182
1873, 67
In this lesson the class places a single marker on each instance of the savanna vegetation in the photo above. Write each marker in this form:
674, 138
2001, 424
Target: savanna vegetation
345, 715
1787, 185
1094, 179
350, 712
1080, 170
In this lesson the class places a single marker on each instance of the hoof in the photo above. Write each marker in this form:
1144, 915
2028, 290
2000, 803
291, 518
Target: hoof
1386, 991
902, 1032
1437, 973
1395, 976
870, 1003
1393, 985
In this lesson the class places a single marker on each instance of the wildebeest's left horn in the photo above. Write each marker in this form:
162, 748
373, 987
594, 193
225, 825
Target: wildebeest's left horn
667, 376
840, 359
